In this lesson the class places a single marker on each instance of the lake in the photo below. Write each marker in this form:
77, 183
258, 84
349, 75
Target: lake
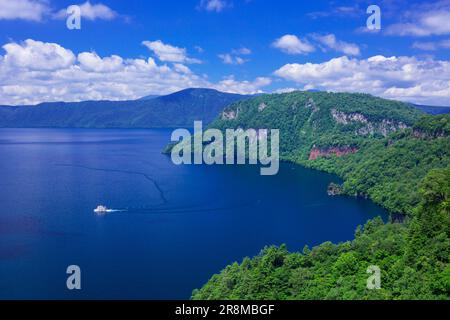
178, 225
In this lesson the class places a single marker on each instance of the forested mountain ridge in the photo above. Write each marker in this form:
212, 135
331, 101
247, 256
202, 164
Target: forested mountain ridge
179, 109
319, 119
354, 136
385, 150
413, 258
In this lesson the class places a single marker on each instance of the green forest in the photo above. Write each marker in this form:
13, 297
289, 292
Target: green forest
389, 152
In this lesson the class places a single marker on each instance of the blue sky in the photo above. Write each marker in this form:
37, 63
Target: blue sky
126, 49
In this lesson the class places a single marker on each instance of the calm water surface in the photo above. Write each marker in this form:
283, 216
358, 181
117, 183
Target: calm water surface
180, 224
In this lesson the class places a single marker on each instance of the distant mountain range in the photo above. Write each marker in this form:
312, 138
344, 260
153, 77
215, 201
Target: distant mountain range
149, 97
179, 109
433, 109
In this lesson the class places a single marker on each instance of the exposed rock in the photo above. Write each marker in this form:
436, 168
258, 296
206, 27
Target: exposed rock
326, 152
310, 104
419, 134
345, 118
367, 130
384, 127
388, 126
426, 135
230, 114
262, 106
334, 189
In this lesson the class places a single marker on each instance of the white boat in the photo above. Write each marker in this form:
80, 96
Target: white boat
101, 210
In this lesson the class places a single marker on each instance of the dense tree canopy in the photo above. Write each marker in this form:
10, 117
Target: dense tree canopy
402, 163
413, 258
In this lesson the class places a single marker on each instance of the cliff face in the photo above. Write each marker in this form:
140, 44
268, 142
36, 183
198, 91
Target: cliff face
230, 114
432, 127
327, 152
366, 127
314, 125
323, 131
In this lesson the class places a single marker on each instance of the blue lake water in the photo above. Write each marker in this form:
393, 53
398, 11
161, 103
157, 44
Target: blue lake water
181, 224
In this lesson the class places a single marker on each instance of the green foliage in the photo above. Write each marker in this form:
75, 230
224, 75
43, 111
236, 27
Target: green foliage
434, 126
402, 163
389, 171
391, 159
305, 119
413, 258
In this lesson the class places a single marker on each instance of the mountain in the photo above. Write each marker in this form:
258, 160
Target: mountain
433, 109
411, 259
179, 109
384, 150
319, 120
357, 136
149, 97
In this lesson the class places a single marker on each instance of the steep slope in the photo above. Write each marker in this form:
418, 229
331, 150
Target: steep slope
381, 148
177, 109
314, 123
412, 257
385, 150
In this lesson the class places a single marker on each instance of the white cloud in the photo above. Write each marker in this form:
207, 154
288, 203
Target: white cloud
235, 56
426, 46
199, 49
402, 78
90, 61
291, 44
331, 42
169, 53
242, 51
181, 68
431, 46
37, 10
227, 58
36, 55
97, 11
33, 10
213, 5
33, 71
285, 90
229, 84
426, 19
240, 60
91, 12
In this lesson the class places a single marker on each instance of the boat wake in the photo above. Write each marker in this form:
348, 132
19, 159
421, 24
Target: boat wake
114, 210
165, 210
142, 174
191, 208
104, 210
